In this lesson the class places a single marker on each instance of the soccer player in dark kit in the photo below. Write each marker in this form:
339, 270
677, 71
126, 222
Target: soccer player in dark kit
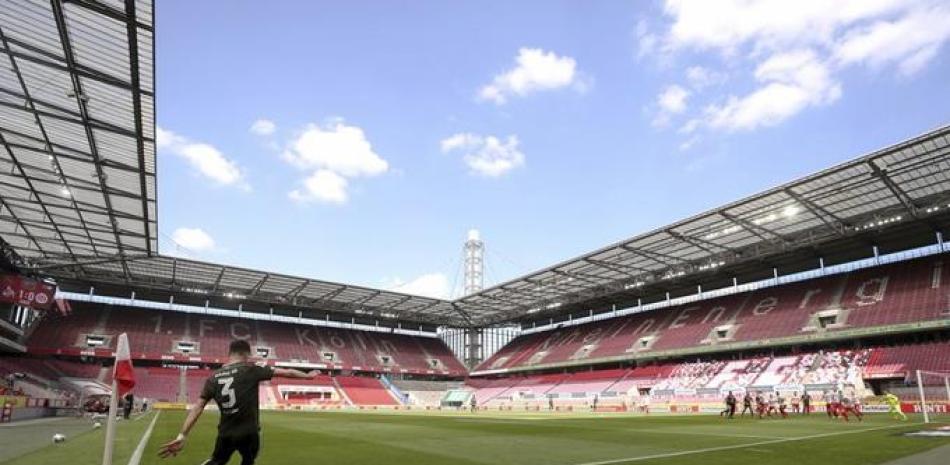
747, 404
234, 388
730, 410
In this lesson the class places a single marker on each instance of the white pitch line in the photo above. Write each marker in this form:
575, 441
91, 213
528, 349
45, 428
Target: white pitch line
735, 446
701, 433
137, 455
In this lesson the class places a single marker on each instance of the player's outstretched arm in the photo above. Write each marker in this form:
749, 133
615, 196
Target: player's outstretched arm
291, 373
173, 447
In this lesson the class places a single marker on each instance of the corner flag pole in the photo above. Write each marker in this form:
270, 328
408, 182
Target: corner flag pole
123, 380
110, 424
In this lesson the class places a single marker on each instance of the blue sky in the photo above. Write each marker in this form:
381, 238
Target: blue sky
360, 141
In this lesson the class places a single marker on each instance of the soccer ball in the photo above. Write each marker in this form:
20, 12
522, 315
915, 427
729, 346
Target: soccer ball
58, 438
96, 425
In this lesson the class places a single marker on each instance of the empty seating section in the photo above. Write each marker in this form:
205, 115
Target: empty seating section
425, 393
159, 334
905, 360
904, 292
588, 381
488, 390
75, 370
691, 324
734, 373
64, 331
641, 378
826, 368
901, 293
365, 391
691, 376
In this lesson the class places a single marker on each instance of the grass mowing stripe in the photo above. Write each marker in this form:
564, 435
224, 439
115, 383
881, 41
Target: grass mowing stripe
700, 433
140, 449
736, 446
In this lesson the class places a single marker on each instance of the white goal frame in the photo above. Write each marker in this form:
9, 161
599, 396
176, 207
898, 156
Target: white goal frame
920, 389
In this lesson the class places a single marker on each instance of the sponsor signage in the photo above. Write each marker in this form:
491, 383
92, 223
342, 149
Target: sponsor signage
20, 290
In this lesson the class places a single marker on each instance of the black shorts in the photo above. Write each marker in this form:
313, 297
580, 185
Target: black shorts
247, 445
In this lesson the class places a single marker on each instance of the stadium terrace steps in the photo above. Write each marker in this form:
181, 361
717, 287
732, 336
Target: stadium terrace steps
904, 360
365, 391
823, 368
900, 293
155, 335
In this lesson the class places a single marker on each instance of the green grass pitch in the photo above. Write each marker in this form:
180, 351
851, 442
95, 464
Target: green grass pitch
350, 438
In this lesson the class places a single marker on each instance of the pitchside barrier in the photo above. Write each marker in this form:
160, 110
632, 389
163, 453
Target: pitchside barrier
679, 408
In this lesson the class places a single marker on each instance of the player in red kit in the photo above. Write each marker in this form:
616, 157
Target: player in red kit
781, 406
847, 406
831, 404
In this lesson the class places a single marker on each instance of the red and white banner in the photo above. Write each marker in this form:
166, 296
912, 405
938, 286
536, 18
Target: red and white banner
16, 289
124, 374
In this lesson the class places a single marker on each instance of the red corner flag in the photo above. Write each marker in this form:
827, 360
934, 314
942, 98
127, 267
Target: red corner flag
124, 374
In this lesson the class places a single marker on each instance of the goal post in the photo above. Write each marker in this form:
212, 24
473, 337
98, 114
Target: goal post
933, 390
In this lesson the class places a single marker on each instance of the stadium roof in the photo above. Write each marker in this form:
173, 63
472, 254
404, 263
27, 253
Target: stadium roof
78, 200
77, 143
908, 182
198, 278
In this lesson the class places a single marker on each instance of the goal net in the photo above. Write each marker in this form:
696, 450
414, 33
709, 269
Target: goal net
933, 394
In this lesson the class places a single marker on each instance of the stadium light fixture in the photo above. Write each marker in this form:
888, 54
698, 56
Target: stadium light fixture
64, 191
729, 230
711, 265
672, 274
765, 219
633, 285
791, 210
881, 222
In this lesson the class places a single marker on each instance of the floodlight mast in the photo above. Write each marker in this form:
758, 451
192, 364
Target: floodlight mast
474, 263
474, 282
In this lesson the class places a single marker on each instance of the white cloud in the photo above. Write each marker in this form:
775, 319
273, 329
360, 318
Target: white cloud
729, 25
796, 49
193, 239
672, 101
699, 77
688, 143
910, 41
263, 127
486, 155
203, 157
434, 285
536, 70
321, 186
332, 153
647, 41
790, 82
337, 147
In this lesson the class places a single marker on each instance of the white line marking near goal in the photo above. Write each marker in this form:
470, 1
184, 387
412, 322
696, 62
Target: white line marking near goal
137, 455
736, 446
702, 433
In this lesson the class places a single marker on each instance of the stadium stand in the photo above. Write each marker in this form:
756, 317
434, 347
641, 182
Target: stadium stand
905, 292
901, 361
165, 335
425, 393
815, 371
365, 391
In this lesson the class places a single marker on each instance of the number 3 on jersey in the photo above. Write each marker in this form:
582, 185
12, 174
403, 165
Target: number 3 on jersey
228, 392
